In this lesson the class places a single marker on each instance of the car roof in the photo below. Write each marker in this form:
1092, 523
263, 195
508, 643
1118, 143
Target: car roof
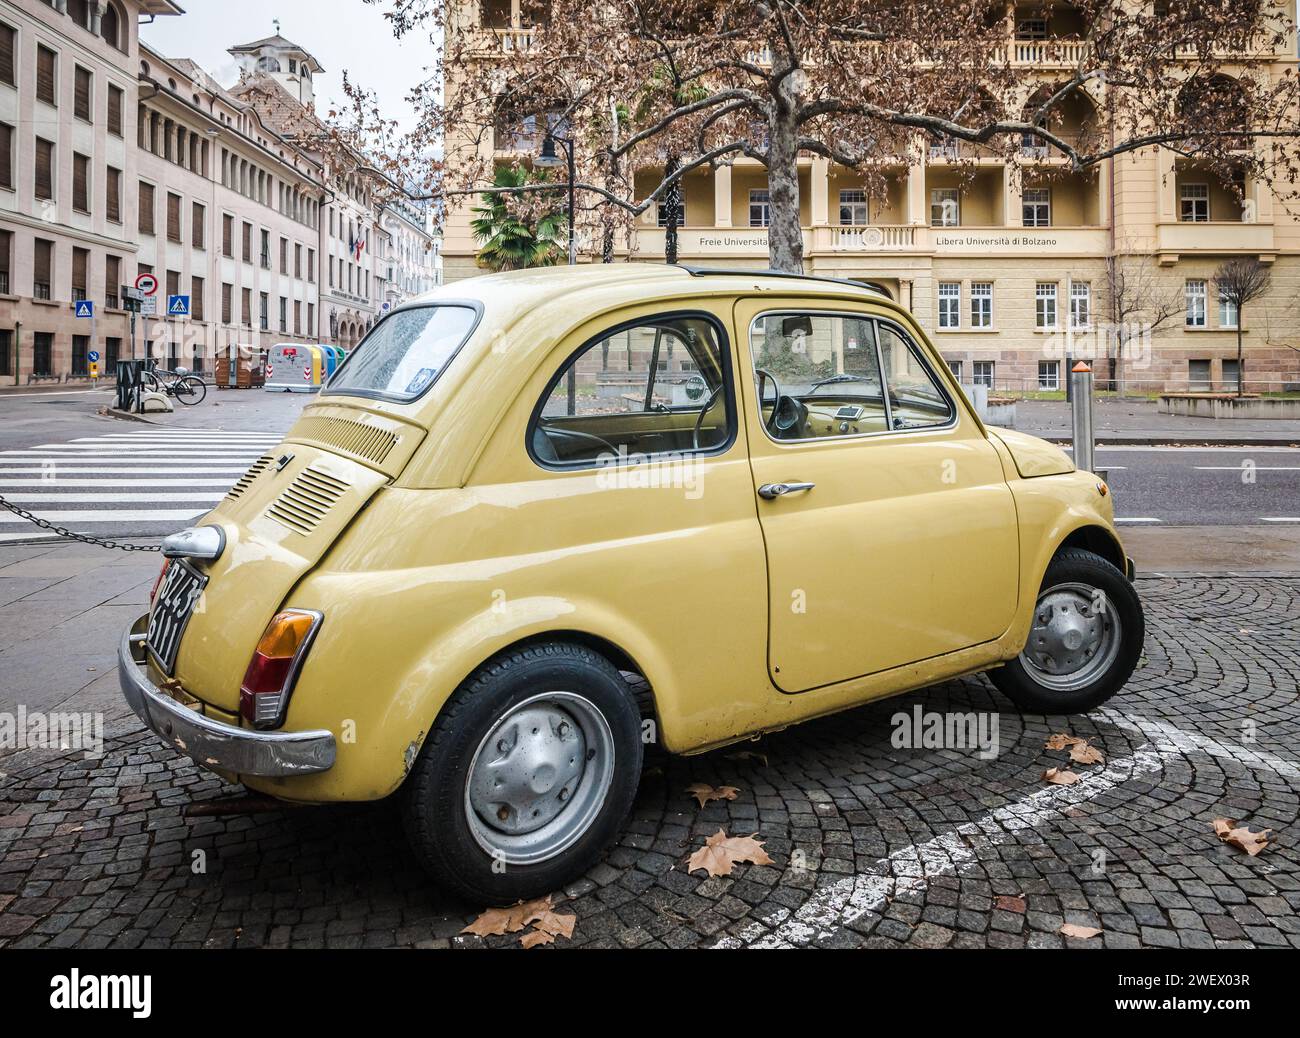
615, 283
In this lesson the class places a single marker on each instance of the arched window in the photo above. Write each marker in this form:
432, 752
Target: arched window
268, 65
110, 27
79, 12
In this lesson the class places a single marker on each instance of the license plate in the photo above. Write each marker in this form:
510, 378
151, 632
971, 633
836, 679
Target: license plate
171, 612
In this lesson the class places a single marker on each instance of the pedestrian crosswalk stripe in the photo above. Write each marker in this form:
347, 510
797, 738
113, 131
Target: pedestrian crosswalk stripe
61, 482
161, 515
134, 471
58, 497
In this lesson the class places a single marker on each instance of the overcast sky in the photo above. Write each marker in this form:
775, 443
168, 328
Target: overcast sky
340, 34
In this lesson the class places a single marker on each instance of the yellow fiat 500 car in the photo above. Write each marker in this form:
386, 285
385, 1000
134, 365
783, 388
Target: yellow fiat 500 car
539, 519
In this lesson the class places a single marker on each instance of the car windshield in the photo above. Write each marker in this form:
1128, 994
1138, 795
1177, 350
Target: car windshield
406, 352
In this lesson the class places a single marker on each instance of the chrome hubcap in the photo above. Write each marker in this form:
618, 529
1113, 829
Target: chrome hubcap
1075, 637
539, 778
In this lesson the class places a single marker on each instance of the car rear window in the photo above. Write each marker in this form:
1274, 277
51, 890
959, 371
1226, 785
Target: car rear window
406, 352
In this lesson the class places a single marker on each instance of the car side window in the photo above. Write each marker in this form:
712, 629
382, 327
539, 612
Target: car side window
915, 399
648, 388
817, 375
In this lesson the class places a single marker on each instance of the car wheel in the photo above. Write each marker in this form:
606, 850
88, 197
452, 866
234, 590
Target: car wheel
527, 775
1084, 641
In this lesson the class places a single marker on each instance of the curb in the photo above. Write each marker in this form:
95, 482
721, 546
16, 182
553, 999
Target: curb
125, 416
1173, 441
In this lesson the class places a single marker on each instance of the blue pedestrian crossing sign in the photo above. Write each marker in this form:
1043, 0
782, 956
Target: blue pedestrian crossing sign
178, 306
85, 308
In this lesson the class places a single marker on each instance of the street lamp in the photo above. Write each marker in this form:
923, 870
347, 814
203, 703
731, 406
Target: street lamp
549, 160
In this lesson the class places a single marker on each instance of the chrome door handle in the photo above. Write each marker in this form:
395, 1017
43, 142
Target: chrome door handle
771, 491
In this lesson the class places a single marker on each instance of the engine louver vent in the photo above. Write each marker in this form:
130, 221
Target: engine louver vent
307, 500
246, 480
365, 441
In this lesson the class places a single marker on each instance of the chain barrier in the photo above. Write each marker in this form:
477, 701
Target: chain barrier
84, 538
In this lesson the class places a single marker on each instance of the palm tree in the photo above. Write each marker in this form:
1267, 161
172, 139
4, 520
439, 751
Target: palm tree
509, 242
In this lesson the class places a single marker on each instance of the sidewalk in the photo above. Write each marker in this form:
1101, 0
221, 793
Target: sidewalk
1137, 422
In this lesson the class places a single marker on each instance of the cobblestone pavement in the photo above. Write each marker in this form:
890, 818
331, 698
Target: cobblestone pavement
874, 846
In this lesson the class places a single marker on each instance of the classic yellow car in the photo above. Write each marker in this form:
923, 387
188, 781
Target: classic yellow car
539, 519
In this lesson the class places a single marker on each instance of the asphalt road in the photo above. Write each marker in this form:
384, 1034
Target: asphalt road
118, 479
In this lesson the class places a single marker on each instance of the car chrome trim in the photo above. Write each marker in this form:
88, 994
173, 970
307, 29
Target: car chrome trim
771, 491
204, 543
214, 744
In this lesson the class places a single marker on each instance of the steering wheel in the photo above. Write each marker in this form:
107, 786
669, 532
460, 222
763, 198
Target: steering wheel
788, 414
699, 420
545, 444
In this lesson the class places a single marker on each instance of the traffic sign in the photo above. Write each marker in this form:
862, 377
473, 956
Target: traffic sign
94, 368
85, 308
147, 283
149, 306
178, 306
92, 356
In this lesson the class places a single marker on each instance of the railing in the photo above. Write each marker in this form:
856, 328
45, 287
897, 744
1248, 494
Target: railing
1052, 52
512, 41
846, 238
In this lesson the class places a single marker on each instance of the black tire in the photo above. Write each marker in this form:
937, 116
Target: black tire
1018, 682
435, 813
191, 390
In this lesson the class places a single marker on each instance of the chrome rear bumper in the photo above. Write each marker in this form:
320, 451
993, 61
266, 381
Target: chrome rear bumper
211, 743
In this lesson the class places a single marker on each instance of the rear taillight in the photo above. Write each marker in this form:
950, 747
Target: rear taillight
268, 682
158, 583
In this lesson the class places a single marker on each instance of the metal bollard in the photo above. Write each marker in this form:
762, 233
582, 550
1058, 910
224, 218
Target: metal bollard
1081, 413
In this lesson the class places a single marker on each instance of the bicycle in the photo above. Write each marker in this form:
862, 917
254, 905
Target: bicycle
180, 384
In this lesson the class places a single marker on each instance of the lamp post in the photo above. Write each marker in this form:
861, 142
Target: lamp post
548, 160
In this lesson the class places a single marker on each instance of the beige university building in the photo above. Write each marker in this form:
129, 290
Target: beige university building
1007, 273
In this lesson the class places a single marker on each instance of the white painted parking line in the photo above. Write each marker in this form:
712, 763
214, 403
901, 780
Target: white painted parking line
5, 537
1141, 520
58, 497
160, 515
1244, 466
1280, 519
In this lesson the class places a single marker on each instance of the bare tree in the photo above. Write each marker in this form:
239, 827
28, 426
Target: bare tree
1139, 303
863, 83
1238, 281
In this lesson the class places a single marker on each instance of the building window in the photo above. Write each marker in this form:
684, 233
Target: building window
80, 347
115, 111
981, 304
853, 208
266, 250
173, 282
760, 207
297, 317
1198, 376
42, 353
297, 260
311, 267
227, 303
1049, 374
198, 218
44, 182
1230, 373
81, 183
1036, 207
661, 208
949, 304
983, 373
955, 366
1045, 304
227, 235
112, 281
1227, 313
945, 207
1194, 293
83, 91
264, 302
80, 265
42, 268
112, 352
1080, 304
1194, 203
8, 45
6, 156
246, 307
248, 243
113, 194
173, 217
146, 218
6, 250
196, 298
47, 76
284, 314
311, 320
1031, 29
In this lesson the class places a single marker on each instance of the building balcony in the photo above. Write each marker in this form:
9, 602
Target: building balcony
1219, 238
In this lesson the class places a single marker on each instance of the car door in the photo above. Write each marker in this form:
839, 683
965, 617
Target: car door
890, 531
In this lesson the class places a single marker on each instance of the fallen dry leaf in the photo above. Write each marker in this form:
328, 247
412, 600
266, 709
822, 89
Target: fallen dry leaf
1241, 837
1082, 753
554, 925
535, 937
1075, 930
497, 921
749, 755
1060, 777
1060, 741
703, 792
721, 852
